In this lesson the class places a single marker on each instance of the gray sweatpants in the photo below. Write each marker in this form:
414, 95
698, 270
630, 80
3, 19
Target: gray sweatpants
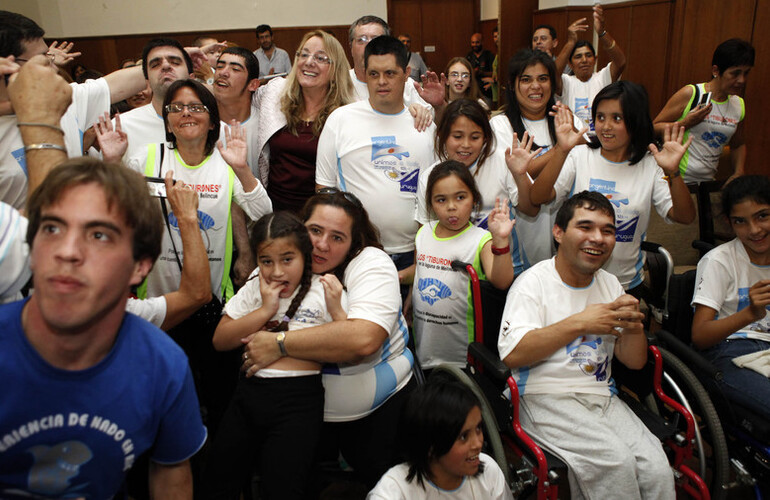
609, 451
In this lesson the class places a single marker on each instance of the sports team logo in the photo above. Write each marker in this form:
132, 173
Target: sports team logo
386, 146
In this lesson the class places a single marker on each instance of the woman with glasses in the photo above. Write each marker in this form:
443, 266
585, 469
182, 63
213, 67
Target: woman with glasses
460, 83
292, 113
368, 370
220, 175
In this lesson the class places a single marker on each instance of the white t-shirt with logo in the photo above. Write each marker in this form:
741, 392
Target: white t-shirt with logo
539, 298
631, 189
378, 158
579, 95
722, 283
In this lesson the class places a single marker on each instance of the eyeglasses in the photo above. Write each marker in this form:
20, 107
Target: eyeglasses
319, 58
364, 39
461, 76
50, 55
348, 196
176, 107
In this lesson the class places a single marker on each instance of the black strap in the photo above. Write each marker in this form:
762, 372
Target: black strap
695, 99
163, 207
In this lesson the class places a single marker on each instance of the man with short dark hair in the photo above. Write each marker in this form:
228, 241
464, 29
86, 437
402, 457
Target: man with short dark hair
272, 60
417, 66
372, 149
108, 385
564, 320
481, 61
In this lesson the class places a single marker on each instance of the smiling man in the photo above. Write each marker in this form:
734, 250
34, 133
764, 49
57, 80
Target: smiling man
93, 232
372, 149
564, 320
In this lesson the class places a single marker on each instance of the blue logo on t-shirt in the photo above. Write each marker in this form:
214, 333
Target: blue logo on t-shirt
432, 290
589, 356
408, 181
54, 467
743, 298
385, 145
625, 230
714, 139
583, 110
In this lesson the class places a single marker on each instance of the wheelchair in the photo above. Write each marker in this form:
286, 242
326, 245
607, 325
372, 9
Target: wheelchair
746, 434
533, 472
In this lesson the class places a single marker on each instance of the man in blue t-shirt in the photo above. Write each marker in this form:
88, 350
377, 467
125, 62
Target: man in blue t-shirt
87, 388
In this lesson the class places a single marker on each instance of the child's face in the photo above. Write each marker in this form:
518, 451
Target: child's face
447, 471
281, 261
611, 129
458, 79
452, 203
751, 222
465, 141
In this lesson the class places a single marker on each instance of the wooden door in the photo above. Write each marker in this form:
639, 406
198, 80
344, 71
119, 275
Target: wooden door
440, 29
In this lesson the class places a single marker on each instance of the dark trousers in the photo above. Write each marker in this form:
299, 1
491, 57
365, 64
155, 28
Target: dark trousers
274, 423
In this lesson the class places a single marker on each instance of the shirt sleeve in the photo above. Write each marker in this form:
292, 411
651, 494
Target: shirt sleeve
14, 253
372, 283
152, 309
181, 432
712, 281
91, 100
494, 480
247, 299
255, 203
326, 156
522, 314
422, 211
565, 183
411, 96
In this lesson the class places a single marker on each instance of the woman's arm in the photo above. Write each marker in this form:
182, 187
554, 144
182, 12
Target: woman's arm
615, 53
498, 266
707, 331
668, 158
518, 159
566, 138
672, 112
737, 153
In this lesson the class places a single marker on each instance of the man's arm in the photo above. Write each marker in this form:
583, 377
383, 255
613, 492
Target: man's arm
346, 341
195, 285
563, 58
596, 319
124, 83
171, 482
40, 96
246, 262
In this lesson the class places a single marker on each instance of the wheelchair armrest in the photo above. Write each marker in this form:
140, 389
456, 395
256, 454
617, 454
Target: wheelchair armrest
687, 354
484, 359
649, 246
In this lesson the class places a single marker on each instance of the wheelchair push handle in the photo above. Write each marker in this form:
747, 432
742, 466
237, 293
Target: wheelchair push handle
458, 265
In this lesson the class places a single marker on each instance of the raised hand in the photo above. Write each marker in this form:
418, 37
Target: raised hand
696, 115
577, 27
333, 296
566, 135
182, 198
499, 221
598, 19
62, 54
234, 153
113, 142
673, 150
519, 155
432, 89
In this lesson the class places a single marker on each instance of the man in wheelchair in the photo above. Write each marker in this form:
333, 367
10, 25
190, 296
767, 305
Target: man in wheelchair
563, 322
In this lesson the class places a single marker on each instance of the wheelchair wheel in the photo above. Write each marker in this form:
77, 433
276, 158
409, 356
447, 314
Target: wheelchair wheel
493, 445
710, 451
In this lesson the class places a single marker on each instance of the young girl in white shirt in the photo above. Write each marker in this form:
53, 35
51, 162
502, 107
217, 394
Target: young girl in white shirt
441, 302
275, 417
441, 435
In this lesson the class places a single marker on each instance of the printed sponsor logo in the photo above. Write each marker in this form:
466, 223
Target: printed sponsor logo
386, 146
714, 139
625, 230
432, 290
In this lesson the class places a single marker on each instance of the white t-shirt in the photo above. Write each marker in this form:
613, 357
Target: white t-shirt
217, 185
89, 101
631, 189
410, 94
152, 309
142, 126
442, 303
493, 179
531, 236
579, 96
378, 158
539, 298
251, 125
488, 485
14, 253
724, 277
353, 391
311, 312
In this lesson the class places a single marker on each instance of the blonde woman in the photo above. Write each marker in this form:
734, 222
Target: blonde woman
292, 113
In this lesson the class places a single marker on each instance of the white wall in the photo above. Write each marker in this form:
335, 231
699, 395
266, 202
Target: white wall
77, 18
490, 9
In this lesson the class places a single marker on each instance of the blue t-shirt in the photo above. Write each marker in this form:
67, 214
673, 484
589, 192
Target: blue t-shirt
70, 434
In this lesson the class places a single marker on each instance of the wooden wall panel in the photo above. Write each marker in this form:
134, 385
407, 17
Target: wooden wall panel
757, 97
105, 53
515, 33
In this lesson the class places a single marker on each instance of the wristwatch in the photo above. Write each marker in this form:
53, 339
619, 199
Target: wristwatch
279, 340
